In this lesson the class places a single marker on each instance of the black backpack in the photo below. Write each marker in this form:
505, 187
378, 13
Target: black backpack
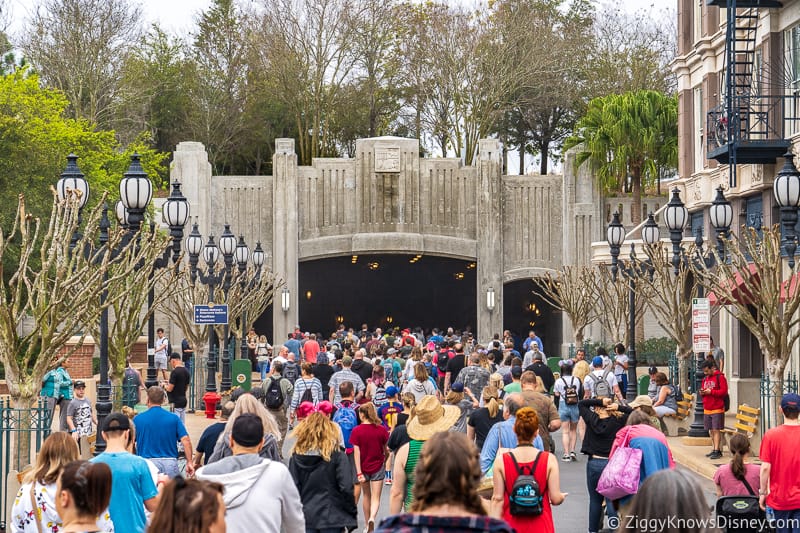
678, 393
526, 495
726, 399
290, 371
571, 392
307, 396
443, 358
273, 397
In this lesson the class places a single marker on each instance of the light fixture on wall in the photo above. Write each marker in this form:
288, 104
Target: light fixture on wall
285, 299
308, 295
472, 265
354, 259
490, 299
339, 319
373, 265
459, 276
389, 319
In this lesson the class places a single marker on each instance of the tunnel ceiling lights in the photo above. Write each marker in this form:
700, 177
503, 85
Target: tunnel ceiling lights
308, 295
354, 259
459, 275
471, 266
415, 259
374, 265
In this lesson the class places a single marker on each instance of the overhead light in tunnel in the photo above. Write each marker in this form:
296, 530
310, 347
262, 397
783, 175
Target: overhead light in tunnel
415, 259
472, 265
532, 323
354, 259
373, 265
459, 275
389, 319
339, 319
308, 295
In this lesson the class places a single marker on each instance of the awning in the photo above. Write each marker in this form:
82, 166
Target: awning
737, 287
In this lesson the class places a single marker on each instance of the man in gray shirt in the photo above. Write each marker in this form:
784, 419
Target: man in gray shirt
345, 374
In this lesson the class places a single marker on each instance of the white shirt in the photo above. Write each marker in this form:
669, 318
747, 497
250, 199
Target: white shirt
588, 383
161, 346
619, 361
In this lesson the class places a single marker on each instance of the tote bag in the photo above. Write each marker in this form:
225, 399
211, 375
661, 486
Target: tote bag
620, 477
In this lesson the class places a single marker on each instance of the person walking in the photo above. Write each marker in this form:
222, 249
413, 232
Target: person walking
260, 494
446, 491
157, 433
465, 400
79, 413
376, 387
306, 388
83, 492
345, 374
178, 385
131, 385
262, 356
568, 391
34, 508
323, 476
525, 459
780, 462
161, 355
208, 440
481, 420
603, 420
714, 390
739, 477
474, 376
420, 386
190, 506
430, 417
57, 388
369, 440
248, 404
276, 393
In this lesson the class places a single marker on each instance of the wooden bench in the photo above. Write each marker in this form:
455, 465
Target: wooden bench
680, 421
747, 420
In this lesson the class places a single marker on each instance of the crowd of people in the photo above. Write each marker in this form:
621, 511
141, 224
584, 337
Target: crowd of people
459, 432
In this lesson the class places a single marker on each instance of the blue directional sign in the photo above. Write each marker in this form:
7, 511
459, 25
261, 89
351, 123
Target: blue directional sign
210, 314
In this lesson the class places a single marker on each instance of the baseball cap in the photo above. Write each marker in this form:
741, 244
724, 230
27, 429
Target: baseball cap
79, 384
597, 361
516, 371
116, 422
457, 387
248, 430
391, 391
391, 351
790, 401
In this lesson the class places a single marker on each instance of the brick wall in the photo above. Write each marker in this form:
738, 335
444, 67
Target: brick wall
80, 362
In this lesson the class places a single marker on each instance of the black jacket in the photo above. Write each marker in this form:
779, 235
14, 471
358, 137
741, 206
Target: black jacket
326, 490
363, 369
544, 372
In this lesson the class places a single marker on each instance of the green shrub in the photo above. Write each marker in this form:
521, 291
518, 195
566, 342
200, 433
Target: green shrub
95, 365
655, 350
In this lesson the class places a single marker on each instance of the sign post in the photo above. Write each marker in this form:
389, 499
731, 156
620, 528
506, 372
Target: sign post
701, 325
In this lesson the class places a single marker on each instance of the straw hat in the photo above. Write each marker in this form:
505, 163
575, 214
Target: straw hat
431, 417
641, 400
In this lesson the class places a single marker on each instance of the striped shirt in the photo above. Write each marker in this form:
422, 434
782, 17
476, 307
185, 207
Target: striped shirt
301, 386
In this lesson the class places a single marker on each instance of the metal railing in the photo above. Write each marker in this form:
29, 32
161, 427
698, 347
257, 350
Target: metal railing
22, 432
754, 118
127, 395
771, 393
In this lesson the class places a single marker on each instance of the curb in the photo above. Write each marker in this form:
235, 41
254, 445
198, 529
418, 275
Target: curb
705, 469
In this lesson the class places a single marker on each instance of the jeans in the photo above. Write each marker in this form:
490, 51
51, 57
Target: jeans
787, 521
166, 465
594, 467
264, 368
181, 412
622, 381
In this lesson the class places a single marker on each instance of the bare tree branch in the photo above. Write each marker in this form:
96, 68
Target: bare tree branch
572, 291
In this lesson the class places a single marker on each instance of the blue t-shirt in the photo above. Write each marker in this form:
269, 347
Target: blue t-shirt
293, 345
209, 439
131, 486
157, 433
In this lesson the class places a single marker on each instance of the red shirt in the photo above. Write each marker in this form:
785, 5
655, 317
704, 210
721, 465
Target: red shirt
542, 523
371, 440
715, 401
779, 448
310, 350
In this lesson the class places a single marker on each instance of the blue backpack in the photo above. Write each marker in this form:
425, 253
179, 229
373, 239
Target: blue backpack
347, 419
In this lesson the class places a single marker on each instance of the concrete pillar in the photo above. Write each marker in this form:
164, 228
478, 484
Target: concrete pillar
285, 236
191, 168
490, 238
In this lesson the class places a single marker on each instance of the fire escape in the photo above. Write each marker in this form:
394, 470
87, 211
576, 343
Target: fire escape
748, 127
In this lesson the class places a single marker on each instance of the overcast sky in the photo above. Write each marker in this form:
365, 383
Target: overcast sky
179, 15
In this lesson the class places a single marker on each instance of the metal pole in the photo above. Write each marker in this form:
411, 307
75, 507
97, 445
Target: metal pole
103, 405
630, 394
152, 374
211, 365
698, 429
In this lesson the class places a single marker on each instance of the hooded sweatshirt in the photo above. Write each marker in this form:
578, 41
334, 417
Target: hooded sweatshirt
260, 495
326, 489
420, 389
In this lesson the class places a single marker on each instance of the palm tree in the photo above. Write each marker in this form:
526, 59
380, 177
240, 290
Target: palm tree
633, 136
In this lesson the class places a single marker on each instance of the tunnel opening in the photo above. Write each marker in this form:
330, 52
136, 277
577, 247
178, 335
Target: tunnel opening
524, 310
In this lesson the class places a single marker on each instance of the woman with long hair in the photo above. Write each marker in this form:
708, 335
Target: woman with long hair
666, 402
369, 440
525, 458
568, 390
190, 506
83, 492
603, 420
466, 402
420, 386
413, 359
323, 475
482, 419
496, 381
36, 499
446, 498
730, 479
262, 356
247, 403
377, 385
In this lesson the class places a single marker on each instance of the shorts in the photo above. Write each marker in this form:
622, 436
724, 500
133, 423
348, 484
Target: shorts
715, 421
351, 458
568, 413
377, 476
160, 361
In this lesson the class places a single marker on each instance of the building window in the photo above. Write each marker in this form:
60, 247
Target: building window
792, 61
697, 19
699, 124
697, 224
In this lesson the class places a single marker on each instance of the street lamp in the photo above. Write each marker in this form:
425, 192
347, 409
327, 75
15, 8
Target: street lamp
721, 217
211, 279
135, 191
227, 245
786, 188
285, 299
490, 299
73, 181
615, 235
242, 254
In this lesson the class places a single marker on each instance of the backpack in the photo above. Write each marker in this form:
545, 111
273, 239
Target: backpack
678, 393
526, 495
443, 358
347, 419
379, 398
307, 396
726, 399
130, 386
601, 386
571, 394
273, 397
290, 371
388, 370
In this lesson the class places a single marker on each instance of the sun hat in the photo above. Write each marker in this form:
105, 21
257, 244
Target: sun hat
431, 417
641, 400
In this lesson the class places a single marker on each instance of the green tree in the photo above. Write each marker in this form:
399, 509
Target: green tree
631, 136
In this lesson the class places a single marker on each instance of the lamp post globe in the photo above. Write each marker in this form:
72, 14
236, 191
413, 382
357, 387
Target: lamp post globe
121, 214
721, 215
786, 188
676, 216
210, 252
242, 254
72, 181
650, 231
135, 191
258, 256
615, 234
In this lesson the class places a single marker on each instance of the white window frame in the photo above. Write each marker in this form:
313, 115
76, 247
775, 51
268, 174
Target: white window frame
698, 110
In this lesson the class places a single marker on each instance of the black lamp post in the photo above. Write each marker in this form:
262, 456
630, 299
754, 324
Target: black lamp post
227, 245
721, 217
615, 234
242, 255
72, 179
786, 188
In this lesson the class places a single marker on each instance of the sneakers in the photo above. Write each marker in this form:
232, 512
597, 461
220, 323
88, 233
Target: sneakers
573, 456
716, 454
566, 458
387, 481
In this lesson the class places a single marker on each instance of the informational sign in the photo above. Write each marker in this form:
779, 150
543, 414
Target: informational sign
210, 314
701, 325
